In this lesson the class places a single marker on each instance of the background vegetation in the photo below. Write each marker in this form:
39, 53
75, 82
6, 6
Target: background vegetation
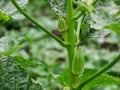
47, 57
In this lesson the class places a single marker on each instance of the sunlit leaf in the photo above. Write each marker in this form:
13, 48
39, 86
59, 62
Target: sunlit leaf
59, 6
107, 5
106, 12
115, 27
99, 19
8, 8
8, 45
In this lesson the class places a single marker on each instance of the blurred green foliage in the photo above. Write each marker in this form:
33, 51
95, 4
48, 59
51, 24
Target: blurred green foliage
40, 48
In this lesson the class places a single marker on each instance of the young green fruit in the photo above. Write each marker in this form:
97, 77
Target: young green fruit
62, 26
78, 62
77, 66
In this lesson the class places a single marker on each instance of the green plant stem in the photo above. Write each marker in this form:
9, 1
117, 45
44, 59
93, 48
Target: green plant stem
98, 73
70, 22
37, 24
71, 37
70, 51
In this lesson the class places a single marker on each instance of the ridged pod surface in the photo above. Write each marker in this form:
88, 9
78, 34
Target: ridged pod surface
78, 62
77, 66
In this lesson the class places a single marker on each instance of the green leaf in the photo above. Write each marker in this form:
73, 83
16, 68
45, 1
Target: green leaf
12, 77
63, 78
105, 10
115, 27
102, 80
117, 2
58, 6
8, 8
99, 19
22, 62
98, 33
107, 5
105, 13
3, 17
8, 45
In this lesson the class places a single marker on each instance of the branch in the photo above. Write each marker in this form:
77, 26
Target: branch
36, 23
108, 66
